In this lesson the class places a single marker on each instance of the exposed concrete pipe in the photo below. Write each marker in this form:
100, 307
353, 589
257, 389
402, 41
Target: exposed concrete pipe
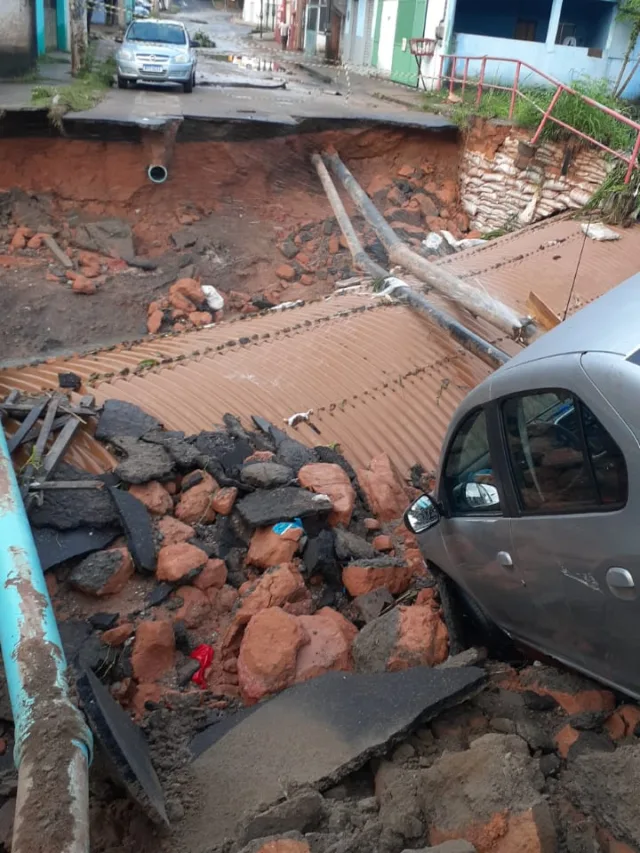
398, 289
52, 742
476, 301
162, 145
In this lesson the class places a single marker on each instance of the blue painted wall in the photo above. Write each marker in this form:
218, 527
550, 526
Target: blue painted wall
499, 17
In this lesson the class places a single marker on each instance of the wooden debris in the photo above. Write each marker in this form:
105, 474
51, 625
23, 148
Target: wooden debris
541, 312
32, 416
57, 252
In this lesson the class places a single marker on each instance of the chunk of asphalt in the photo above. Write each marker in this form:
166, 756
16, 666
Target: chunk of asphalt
58, 546
144, 461
138, 530
263, 508
159, 593
289, 451
319, 557
350, 546
315, 734
67, 509
301, 812
120, 418
371, 604
125, 745
185, 454
266, 475
103, 621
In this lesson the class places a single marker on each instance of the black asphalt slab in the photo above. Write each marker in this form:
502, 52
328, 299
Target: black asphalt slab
313, 734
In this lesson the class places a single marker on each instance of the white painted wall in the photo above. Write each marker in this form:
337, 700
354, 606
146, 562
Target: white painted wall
16, 36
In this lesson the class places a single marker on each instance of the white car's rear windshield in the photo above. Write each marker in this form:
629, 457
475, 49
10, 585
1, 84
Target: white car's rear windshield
154, 31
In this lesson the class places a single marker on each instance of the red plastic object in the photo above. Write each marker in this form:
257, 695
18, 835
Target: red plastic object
204, 655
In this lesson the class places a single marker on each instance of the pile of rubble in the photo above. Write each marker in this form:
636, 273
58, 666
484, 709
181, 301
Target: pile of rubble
271, 553
240, 570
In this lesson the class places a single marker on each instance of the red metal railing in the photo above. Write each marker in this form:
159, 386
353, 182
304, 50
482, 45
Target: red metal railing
547, 114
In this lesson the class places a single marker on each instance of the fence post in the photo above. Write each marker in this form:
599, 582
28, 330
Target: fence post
483, 66
442, 58
546, 115
633, 160
514, 93
465, 75
452, 75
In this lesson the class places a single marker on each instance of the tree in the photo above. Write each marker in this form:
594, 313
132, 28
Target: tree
79, 36
629, 12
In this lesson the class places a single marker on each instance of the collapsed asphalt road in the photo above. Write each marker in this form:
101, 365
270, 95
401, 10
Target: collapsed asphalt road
260, 611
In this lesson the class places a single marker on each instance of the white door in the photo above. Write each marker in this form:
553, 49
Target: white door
387, 34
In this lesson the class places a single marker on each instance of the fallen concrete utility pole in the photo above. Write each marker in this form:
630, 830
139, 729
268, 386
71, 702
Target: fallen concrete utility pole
52, 742
398, 289
476, 301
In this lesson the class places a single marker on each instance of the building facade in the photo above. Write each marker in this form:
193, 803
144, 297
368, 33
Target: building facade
28, 29
565, 39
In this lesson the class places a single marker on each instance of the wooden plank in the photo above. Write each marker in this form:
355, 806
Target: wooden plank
541, 312
59, 448
14, 440
57, 252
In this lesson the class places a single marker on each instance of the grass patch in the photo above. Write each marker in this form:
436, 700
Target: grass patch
87, 90
618, 203
528, 111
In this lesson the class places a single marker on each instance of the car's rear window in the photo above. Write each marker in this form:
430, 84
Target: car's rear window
155, 31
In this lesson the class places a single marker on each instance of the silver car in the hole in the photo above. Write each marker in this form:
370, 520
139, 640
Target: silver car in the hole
535, 515
157, 51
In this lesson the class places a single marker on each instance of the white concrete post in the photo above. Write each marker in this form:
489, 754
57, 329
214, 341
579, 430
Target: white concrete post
554, 23
438, 12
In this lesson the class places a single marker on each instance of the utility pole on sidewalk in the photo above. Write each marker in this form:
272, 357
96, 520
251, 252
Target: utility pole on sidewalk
79, 35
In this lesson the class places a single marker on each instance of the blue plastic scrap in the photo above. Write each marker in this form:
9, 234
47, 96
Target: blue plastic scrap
282, 526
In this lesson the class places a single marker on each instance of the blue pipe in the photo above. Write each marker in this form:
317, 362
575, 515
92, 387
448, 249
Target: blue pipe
35, 668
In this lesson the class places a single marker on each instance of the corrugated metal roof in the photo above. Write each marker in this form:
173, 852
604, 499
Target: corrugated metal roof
377, 376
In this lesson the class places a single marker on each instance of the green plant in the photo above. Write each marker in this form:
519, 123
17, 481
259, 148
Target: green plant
203, 39
619, 203
83, 93
533, 101
628, 12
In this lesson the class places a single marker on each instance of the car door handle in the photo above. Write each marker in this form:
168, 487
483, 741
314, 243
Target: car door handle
504, 559
620, 581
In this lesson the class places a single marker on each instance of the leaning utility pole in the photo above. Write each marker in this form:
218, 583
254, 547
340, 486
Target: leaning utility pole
79, 36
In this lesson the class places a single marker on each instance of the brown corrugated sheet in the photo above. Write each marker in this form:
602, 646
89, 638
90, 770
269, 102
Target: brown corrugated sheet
377, 376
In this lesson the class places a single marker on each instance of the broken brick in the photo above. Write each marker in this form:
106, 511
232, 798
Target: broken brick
81, 284
383, 543
154, 322
224, 499
196, 504
154, 496
330, 638
383, 488
180, 302
268, 548
359, 579
214, 575
623, 722
176, 561
195, 606
268, 654
189, 288
307, 280
154, 651
118, 635
327, 478
286, 272
564, 739
174, 531
333, 245
103, 573
200, 318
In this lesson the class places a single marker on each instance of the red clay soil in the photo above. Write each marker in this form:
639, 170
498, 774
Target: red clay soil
241, 199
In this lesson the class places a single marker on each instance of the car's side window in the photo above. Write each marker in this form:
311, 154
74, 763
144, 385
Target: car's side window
562, 458
468, 474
